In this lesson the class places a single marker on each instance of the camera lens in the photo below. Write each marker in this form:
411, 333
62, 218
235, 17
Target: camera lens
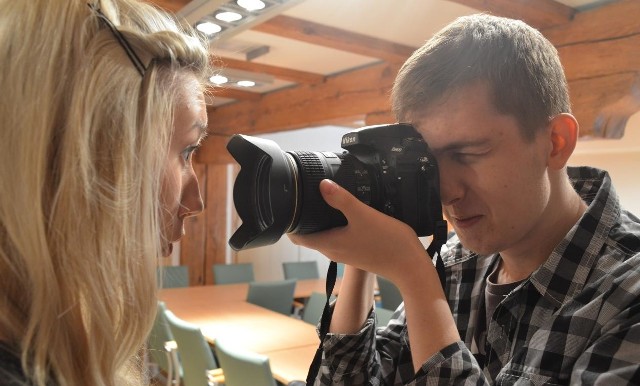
314, 213
277, 192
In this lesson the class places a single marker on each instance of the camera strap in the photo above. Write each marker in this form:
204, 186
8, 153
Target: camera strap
439, 238
325, 321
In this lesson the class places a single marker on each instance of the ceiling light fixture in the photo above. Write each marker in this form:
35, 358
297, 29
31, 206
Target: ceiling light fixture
218, 79
230, 16
208, 28
246, 83
251, 5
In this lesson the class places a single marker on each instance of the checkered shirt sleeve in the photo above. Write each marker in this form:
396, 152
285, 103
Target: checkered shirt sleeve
574, 321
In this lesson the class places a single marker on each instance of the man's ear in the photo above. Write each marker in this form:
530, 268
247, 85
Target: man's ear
564, 136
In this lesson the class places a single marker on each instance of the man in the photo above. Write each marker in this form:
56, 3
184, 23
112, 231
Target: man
543, 275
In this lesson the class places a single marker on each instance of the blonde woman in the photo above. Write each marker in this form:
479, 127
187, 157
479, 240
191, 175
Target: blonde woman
101, 109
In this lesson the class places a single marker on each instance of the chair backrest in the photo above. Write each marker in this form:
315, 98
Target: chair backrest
159, 335
173, 276
300, 270
243, 368
233, 273
314, 306
340, 269
390, 297
195, 354
383, 316
274, 295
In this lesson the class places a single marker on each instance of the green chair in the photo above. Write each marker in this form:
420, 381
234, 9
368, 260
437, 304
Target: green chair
195, 355
301, 270
275, 295
390, 297
173, 276
383, 316
340, 269
243, 368
233, 273
312, 311
160, 334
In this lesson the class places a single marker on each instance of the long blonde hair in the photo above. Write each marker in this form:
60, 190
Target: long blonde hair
83, 141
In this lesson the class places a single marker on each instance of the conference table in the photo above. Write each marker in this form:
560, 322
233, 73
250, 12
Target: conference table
221, 311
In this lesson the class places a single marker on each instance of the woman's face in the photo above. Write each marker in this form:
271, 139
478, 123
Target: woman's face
180, 195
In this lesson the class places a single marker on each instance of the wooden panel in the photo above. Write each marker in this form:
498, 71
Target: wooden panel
610, 21
593, 59
192, 245
603, 105
215, 219
214, 150
380, 118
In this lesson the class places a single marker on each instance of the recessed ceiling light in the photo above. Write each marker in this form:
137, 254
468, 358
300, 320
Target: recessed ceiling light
251, 5
208, 28
229, 17
246, 83
218, 79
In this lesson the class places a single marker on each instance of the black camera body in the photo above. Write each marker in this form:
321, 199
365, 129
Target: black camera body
388, 167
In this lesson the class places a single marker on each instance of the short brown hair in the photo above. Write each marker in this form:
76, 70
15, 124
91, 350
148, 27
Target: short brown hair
520, 65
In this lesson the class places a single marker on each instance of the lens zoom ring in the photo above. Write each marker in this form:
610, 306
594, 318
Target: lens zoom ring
313, 216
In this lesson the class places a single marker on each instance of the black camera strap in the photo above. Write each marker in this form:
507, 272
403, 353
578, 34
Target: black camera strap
439, 238
325, 321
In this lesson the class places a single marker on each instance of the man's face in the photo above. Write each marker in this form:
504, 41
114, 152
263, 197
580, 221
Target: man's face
493, 184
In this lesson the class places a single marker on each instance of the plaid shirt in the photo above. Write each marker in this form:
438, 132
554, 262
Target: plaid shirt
575, 320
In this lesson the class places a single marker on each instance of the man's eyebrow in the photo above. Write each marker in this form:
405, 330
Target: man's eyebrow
462, 144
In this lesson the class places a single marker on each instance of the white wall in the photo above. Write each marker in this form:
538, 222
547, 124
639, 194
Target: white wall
620, 157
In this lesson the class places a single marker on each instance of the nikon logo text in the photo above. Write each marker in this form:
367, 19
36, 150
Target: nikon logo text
348, 140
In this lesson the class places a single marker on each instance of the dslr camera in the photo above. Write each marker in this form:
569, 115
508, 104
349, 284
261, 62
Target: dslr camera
388, 167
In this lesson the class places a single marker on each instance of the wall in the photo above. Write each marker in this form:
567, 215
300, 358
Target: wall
621, 158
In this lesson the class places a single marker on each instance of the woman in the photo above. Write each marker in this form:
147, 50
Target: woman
101, 109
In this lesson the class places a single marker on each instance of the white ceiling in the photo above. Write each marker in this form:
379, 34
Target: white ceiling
408, 22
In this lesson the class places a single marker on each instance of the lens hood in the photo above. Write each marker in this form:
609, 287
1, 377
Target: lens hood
264, 193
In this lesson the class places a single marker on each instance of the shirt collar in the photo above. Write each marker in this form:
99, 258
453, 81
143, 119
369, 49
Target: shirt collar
566, 270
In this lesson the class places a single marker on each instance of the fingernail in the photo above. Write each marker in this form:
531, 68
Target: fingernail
331, 187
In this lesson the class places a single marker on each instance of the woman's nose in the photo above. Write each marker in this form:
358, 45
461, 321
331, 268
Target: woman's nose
192, 203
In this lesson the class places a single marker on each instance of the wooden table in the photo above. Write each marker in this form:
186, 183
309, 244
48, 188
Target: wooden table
214, 294
222, 312
291, 364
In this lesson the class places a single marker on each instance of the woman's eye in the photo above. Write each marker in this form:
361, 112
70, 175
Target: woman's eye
188, 152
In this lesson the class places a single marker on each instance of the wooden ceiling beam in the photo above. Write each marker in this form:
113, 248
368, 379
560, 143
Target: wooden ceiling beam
278, 72
610, 21
319, 34
340, 97
233, 93
539, 13
604, 104
173, 6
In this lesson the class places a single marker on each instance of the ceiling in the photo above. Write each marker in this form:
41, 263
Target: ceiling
313, 41
405, 22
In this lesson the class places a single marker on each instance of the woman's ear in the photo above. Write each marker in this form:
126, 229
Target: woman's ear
564, 136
